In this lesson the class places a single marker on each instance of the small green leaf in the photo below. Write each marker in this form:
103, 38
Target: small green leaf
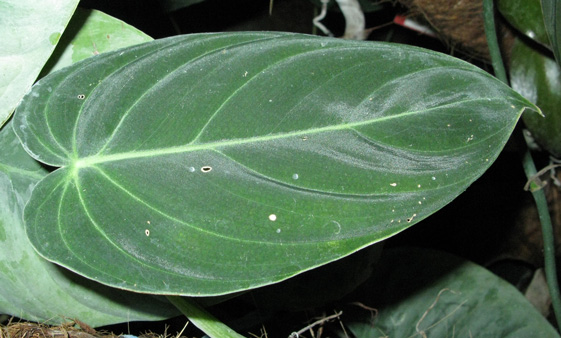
552, 19
526, 16
213, 163
54, 38
538, 78
420, 292
30, 30
90, 33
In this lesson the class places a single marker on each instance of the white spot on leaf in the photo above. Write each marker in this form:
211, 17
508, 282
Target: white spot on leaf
411, 218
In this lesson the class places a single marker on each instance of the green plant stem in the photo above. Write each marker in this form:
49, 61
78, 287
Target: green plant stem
492, 41
548, 237
202, 319
529, 169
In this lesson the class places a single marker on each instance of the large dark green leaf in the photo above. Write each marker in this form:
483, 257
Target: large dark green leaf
552, 19
207, 164
425, 293
538, 78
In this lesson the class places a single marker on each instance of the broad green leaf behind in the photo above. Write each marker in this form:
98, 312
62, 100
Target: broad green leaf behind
552, 19
538, 78
30, 31
420, 291
526, 16
32, 288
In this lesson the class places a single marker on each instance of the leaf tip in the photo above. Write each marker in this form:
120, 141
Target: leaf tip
531, 107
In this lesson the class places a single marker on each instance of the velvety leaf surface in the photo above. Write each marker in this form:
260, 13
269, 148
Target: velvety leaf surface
207, 164
526, 16
420, 291
30, 31
552, 19
35, 289
538, 78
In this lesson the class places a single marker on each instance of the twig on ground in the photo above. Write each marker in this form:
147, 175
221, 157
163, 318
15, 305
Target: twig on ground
317, 322
422, 333
373, 311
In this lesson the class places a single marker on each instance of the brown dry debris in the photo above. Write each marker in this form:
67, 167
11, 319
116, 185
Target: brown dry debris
73, 329
34, 330
458, 22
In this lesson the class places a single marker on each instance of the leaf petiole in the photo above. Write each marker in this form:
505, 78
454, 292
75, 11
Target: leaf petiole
202, 319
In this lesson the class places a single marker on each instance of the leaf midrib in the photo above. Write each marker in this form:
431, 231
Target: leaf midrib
92, 160
96, 159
